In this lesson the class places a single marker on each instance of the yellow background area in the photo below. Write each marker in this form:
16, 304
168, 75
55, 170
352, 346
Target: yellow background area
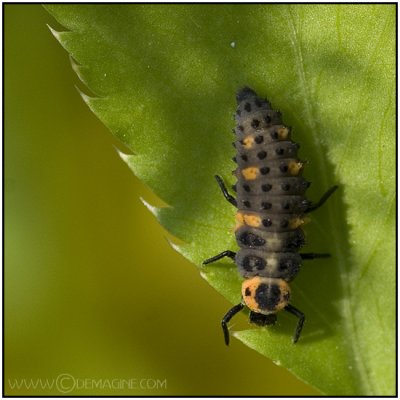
93, 291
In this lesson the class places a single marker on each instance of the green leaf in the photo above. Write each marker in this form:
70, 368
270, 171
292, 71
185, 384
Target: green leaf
164, 79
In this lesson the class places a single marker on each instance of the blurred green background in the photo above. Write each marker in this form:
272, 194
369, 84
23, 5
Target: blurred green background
93, 291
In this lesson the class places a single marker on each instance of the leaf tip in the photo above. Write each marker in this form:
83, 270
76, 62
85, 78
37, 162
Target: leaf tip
125, 157
204, 274
87, 99
76, 67
277, 362
175, 246
55, 33
152, 209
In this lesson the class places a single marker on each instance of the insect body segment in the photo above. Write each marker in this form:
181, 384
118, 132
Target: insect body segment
271, 211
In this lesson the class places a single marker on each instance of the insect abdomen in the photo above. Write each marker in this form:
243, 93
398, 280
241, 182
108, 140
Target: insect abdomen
270, 192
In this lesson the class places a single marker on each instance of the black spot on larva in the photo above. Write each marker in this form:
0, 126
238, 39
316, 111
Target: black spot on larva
285, 205
265, 205
259, 139
246, 188
266, 222
246, 266
284, 223
285, 187
268, 119
261, 155
266, 187
267, 296
247, 292
296, 241
241, 129
244, 157
247, 107
234, 188
255, 123
284, 168
258, 102
289, 268
279, 151
250, 239
251, 263
246, 203
274, 135
264, 170
261, 265
283, 266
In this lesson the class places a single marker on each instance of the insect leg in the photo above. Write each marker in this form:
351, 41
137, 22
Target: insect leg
322, 200
311, 256
226, 253
227, 196
300, 323
227, 317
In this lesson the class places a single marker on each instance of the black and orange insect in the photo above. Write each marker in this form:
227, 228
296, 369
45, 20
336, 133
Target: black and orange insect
272, 208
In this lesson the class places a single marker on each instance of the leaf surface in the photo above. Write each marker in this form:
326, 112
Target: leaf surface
163, 79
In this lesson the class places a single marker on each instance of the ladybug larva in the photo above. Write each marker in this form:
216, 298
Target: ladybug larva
272, 207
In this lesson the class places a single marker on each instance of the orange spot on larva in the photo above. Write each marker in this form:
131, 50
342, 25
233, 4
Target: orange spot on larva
298, 221
250, 173
295, 167
248, 142
252, 220
239, 221
283, 133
